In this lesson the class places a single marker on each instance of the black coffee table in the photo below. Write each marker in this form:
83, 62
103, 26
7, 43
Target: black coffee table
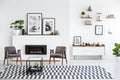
34, 64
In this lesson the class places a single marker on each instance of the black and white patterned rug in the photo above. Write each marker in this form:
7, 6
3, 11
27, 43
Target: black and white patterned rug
57, 72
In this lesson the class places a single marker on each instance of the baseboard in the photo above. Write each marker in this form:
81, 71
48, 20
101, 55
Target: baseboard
37, 60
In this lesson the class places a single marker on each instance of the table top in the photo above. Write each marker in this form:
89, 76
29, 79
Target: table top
35, 58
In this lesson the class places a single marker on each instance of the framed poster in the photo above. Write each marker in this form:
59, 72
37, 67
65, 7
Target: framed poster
34, 23
99, 29
48, 25
77, 40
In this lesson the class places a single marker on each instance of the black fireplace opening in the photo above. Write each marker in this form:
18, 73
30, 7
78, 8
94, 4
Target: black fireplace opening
36, 49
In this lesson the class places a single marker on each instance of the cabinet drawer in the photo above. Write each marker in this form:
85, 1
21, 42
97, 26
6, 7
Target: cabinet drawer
88, 50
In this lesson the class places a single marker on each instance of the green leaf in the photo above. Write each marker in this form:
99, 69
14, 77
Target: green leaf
20, 27
21, 22
16, 22
12, 23
11, 26
114, 53
116, 45
118, 55
116, 50
15, 26
119, 45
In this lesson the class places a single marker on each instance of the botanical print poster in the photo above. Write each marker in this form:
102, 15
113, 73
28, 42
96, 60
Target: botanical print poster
48, 25
99, 30
34, 23
77, 40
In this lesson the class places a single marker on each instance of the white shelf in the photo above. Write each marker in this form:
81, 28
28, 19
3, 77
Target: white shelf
36, 35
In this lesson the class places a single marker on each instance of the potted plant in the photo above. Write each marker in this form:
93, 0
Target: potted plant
83, 14
116, 51
36, 65
17, 26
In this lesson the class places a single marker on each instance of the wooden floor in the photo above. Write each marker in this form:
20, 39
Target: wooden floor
37, 60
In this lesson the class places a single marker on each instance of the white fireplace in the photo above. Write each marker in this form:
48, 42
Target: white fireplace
50, 40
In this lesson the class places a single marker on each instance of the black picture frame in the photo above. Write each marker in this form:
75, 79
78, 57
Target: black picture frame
34, 23
48, 26
77, 40
98, 29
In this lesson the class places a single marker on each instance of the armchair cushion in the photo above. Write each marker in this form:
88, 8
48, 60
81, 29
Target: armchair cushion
13, 55
56, 55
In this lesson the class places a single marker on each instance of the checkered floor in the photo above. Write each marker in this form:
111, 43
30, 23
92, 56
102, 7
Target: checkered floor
57, 72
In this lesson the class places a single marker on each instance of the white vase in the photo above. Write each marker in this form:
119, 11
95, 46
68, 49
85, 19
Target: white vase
83, 16
117, 59
16, 32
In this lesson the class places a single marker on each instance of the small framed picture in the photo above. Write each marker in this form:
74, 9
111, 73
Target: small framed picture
48, 25
34, 23
77, 40
99, 29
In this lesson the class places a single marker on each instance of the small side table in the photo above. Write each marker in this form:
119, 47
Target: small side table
36, 67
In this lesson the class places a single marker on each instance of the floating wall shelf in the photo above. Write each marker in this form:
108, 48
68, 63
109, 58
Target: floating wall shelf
86, 17
110, 17
88, 24
98, 20
99, 13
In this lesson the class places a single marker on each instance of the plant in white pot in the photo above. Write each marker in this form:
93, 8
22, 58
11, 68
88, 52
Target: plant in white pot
17, 26
116, 51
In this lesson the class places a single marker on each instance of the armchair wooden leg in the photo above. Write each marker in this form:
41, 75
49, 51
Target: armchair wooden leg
50, 60
66, 61
17, 61
20, 61
54, 60
7, 61
4, 61
62, 61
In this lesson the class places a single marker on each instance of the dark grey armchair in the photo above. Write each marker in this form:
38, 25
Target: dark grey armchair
10, 52
60, 52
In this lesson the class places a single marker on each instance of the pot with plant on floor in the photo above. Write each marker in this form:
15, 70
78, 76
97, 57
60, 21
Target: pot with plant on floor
17, 26
116, 51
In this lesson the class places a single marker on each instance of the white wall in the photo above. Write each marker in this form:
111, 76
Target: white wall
59, 9
12, 10
77, 27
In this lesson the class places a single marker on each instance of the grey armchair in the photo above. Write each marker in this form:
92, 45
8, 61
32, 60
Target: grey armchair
10, 52
60, 52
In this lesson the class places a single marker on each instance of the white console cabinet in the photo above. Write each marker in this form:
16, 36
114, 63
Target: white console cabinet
88, 51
